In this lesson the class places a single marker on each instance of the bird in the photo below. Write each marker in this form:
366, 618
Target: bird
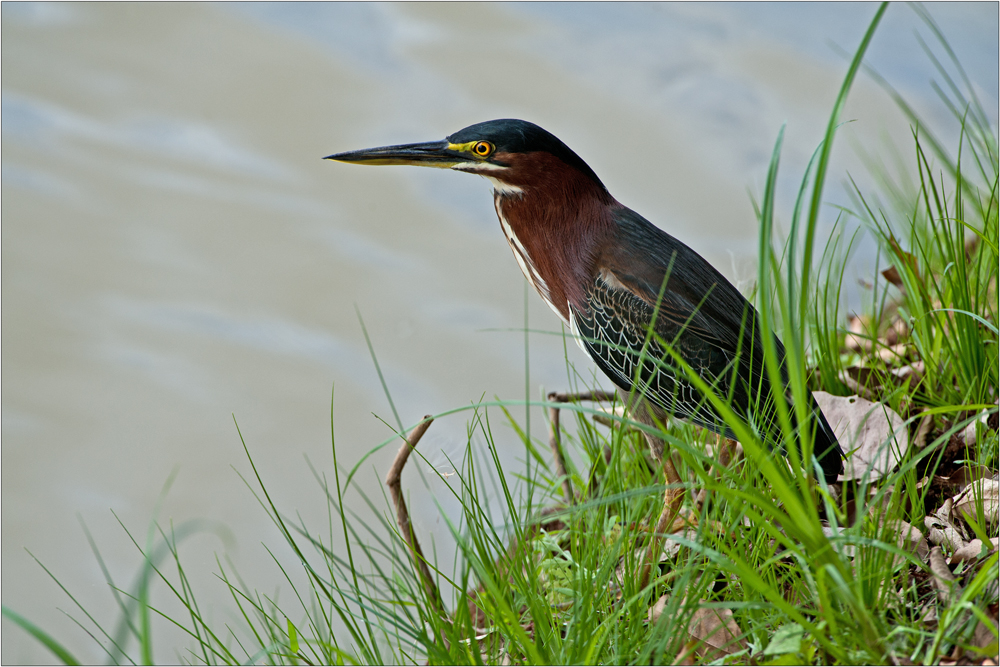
635, 298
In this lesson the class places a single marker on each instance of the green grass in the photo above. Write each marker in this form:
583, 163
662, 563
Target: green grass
803, 576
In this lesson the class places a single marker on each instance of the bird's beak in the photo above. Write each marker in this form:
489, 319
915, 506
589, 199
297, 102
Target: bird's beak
429, 154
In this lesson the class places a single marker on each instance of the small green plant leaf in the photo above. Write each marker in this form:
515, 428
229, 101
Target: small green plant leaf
786, 639
43, 637
293, 637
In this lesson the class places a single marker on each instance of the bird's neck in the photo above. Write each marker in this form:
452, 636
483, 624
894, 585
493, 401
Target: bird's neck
556, 224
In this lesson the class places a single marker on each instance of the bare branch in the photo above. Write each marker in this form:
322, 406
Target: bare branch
392, 480
555, 443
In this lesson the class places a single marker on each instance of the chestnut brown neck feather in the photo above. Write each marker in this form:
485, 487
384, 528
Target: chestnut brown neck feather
561, 218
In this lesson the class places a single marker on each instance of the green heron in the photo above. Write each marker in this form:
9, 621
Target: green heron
626, 289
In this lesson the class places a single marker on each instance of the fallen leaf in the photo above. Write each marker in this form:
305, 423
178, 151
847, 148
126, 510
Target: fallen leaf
985, 640
684, 657
892, 275
671, 547
858, 337
982, 494
904, 258
928, 614
872, 435
852, 383
638, 556
908, 538
941, 531
961, 478
920, 437
718, 630
969, 434
943, 580
657, 609
974, 550
893, 353
897, 331
846, 549
913, 371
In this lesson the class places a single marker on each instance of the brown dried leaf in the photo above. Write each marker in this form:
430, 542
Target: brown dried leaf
941, 531
913, 372
943, 580
858, 338
672, 547
904, 258
684, 657
984, 637
968, 435
960, 478
924, 428
892, 275
986, 640
637, 557
928, 614
984, 493
872, 435
657, 609
973, 549
908, 538
852, 383
847, 549
897, 331
893, 353
718, 630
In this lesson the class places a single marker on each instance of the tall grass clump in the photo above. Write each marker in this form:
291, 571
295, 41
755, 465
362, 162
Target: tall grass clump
776, 567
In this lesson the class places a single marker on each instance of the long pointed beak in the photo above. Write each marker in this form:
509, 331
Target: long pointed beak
428, 154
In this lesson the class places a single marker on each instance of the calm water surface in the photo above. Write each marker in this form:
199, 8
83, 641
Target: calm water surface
176, 254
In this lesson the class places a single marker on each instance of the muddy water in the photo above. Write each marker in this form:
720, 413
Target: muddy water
175, 253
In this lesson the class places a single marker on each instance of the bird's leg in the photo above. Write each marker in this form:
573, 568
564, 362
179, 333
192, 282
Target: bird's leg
670, 520
724, 452
673, 498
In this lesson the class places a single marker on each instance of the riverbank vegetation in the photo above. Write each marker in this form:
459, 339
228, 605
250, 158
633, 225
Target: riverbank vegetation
897, 563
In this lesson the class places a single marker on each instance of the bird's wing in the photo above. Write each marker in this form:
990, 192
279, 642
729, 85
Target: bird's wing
614, 329
647, 280
645, 257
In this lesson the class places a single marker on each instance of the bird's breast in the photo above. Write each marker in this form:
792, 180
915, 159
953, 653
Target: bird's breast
556, 235
527, 263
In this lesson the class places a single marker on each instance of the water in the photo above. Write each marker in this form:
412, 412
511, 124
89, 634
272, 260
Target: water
176, 253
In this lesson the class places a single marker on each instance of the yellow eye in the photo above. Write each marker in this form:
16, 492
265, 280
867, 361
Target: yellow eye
482, 148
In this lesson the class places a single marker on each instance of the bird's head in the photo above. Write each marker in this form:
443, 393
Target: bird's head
513, 154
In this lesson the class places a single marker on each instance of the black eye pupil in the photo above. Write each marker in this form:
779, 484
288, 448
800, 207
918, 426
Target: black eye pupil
483, 148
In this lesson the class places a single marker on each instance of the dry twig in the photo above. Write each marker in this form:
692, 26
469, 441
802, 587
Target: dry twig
555, 442
392, 480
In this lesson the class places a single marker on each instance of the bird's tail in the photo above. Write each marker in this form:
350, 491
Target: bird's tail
826, 448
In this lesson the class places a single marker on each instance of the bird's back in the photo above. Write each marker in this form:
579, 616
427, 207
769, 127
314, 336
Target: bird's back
647, 282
